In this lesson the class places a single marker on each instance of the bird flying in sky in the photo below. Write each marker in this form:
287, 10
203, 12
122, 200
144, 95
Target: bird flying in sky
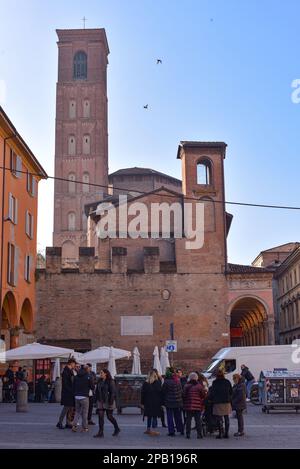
158, 61
146, 106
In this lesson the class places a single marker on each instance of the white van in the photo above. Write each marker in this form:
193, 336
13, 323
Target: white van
264, 357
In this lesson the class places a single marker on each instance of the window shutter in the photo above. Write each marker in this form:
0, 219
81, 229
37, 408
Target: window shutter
28, 181
31, 226
29, 267
33, 187
25, 269
16, 266
27, 223
10, 206
19, 167
11, 160
9, 263
16, 211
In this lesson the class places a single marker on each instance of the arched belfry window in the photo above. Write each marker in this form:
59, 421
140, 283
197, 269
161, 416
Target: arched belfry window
204, 172
80, 66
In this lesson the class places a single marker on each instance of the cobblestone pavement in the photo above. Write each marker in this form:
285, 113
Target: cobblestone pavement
36, 429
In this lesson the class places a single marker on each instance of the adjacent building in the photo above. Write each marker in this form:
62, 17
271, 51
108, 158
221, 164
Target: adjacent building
20, 173
287, 297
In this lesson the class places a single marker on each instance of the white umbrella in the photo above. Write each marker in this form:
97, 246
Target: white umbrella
35, 351
56, 370
156, 362
101, 355
164, 360
136, 364
112, 362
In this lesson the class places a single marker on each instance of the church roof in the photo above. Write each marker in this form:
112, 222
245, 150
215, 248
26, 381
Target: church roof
142, 172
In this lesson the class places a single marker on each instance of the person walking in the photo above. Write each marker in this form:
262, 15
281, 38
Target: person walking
193, 403
162, 413
67, 396
151, 400
172, 398
82, 385
105, 398
249, 380
221, 397
239, 401
92, 376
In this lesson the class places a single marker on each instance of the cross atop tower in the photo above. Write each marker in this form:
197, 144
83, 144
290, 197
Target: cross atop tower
84, 19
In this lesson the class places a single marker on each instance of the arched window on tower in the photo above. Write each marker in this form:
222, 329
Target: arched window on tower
204, 176
86, 146
86, 108
80, 66
86, 182
72, 145
72, 187
72, 109
71, 221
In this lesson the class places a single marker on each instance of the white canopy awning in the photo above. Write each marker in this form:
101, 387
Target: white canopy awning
35, 351
101, 355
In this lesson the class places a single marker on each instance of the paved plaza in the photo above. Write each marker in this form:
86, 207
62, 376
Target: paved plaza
36, 429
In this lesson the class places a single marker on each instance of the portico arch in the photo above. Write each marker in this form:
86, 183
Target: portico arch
249, 321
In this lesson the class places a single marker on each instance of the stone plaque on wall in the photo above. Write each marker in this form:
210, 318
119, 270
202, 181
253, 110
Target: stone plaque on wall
136, 325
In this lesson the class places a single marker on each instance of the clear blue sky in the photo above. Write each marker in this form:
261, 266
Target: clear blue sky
226, 75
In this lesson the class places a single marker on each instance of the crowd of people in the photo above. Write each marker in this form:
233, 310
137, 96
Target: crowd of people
40, 391
182, 398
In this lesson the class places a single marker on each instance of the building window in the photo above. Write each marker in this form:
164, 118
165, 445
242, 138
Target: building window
12, 264
80, 66
72, 145
15, 164
86, 108
86, 147
204, 173
86, 181
72, 109
72, 186
71, 221
12, 208
31, 184
29, 224
28, 265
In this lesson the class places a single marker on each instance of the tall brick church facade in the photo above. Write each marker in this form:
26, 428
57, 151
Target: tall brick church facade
81, 135
127, 292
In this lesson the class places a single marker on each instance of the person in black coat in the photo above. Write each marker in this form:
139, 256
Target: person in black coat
172, 399
91, 393
67, 396
105, 398
151, 400
249, 379
239, 401
221, 393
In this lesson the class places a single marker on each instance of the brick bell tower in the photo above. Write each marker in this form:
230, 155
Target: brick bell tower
81, 134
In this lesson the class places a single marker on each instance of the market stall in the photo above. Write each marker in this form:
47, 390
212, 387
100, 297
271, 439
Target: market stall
280, 389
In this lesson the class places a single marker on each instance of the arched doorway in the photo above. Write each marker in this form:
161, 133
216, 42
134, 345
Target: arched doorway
9, 320
248, 322
26, 318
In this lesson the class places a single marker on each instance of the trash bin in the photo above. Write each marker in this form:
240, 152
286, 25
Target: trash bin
128, 390
280, 390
